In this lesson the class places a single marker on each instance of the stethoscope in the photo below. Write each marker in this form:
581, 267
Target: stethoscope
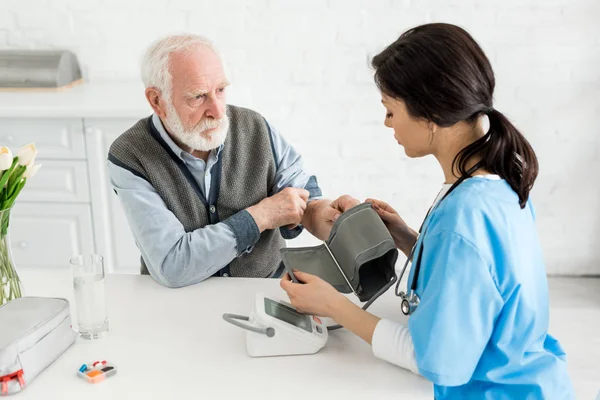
410, 300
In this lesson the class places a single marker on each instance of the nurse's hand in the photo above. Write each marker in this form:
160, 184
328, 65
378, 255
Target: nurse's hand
404, 237
313, 296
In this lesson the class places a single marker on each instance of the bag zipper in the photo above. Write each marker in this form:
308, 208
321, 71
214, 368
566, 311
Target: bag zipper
18, 375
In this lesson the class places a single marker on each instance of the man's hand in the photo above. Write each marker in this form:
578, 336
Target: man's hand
344, 203
282, 209
321, 215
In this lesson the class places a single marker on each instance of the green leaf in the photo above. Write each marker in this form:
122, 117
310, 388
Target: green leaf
17, 190
8, 172
15, 179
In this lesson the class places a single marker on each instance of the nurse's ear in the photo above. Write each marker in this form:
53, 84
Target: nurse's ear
433, 128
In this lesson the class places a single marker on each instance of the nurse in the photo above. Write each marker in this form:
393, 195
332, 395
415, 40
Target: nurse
480, 329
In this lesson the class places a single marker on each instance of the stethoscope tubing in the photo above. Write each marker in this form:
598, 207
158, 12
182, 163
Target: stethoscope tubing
410, 299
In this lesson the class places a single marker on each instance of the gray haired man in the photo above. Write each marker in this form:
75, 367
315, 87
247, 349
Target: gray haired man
209, 189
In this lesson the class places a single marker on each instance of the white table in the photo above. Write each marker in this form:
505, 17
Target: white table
174, 344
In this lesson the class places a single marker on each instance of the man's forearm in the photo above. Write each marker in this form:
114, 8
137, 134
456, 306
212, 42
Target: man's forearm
173, 256
255, 213
189, 261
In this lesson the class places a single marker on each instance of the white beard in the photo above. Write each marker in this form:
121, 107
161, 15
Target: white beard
196, 138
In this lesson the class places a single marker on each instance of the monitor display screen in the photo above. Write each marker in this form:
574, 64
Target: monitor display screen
287, 314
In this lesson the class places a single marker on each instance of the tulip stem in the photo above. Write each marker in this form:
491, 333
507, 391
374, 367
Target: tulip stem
10, 284
11, 184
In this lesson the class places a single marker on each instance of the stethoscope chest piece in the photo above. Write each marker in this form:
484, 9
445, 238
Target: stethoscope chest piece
409, 304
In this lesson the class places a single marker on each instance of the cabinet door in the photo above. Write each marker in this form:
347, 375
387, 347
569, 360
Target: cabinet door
113, 234
54, 138
59, 181
46, 235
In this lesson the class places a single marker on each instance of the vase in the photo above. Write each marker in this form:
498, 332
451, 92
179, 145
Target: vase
11, 286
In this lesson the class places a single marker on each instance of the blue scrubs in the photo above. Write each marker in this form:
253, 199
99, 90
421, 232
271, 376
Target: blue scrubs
481, 328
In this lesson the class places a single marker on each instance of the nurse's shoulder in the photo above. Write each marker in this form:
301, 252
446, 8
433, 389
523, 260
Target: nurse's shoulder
477, 209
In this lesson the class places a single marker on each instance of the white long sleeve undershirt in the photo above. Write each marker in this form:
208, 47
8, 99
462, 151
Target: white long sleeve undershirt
393, 343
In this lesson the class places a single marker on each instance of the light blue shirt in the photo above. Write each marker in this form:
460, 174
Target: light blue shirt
481, 328
177, 258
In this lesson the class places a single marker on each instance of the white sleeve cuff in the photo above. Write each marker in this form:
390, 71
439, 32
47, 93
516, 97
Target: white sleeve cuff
392, 342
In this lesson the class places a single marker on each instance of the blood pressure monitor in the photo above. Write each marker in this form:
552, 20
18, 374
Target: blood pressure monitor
276, 328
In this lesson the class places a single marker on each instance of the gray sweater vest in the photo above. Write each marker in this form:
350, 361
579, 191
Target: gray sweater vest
243, 177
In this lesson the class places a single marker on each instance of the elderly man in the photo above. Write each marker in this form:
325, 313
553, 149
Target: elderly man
208, 188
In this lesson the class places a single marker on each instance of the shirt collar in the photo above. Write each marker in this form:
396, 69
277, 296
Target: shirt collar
171, 143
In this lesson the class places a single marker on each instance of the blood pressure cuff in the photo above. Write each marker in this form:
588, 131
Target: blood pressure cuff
359, 256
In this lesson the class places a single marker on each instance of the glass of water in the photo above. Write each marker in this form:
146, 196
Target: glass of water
90, 298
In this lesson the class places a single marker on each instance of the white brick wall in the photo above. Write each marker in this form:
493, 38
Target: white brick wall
304, 64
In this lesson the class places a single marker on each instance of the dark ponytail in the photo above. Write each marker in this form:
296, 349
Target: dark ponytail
443, 76
505, 152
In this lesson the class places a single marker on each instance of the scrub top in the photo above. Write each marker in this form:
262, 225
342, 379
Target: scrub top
481, 328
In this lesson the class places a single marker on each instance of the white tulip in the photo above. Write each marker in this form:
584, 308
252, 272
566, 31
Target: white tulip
6, 158
27, 154
31, 171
